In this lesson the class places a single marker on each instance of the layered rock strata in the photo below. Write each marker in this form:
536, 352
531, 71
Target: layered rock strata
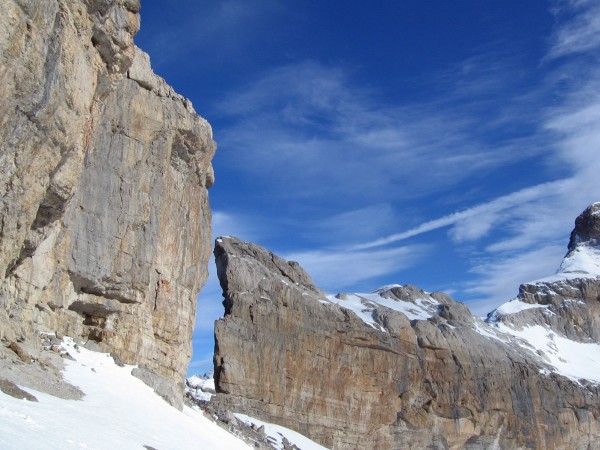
398, 368
105, 222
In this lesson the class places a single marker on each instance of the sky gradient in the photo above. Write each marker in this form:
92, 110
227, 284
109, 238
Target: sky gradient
448, 145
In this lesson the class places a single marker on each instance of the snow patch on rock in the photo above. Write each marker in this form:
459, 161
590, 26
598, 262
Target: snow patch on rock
278, 435
363, 305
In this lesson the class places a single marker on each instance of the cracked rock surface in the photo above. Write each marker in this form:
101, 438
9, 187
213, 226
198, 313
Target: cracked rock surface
421, 372
104, 214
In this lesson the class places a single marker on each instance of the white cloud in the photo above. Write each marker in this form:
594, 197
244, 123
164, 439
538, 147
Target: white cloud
500, 278
310, 132
581, 33
475, 222
351, 226
525, 233
227, 224
312, 128
336, 270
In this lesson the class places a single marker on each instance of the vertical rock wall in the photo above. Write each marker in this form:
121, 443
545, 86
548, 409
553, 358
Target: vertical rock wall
285, 353
105, 221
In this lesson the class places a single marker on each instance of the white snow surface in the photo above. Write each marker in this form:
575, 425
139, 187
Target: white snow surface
513, 307
582, 262
200, 387
363, 305
276, 433
118, 411
516, 306
574, 360
200, 382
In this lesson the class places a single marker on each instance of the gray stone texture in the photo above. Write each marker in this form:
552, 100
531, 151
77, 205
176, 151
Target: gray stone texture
286, 355
104, 214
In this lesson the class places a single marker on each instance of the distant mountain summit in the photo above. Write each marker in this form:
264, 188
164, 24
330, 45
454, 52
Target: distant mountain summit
403, 368
587, 228
559, 316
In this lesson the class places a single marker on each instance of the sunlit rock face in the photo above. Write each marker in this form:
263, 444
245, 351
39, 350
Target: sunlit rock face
105, 222
402, 368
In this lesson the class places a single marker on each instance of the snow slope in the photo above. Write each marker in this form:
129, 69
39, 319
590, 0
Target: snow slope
277, 433
572, 359
118, 411
582, 262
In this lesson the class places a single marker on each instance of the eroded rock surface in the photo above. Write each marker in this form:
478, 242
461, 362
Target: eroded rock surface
105, 222
396, 368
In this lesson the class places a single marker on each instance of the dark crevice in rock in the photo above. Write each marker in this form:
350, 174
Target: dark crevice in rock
51, 209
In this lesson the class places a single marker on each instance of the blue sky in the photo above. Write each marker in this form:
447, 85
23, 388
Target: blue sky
448, 145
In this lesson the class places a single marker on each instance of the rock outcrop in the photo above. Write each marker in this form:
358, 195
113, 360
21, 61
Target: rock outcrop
570, 299
402, 368
105, 222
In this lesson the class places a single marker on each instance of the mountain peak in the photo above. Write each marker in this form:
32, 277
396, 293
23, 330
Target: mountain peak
587, 227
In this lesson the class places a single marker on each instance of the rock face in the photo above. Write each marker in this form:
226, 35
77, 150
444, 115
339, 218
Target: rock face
105, 222
401, 368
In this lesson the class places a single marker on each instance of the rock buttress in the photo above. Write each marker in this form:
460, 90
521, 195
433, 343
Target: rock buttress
286, 353
105, 221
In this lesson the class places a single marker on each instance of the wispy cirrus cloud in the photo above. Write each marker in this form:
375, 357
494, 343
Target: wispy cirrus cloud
522, 235
352, 225
340, 163
476, 222
309, 131
214, 31
312, 126
580, 33
499, 280
333, 270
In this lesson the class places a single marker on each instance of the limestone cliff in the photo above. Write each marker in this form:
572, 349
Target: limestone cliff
105, 222
402, 368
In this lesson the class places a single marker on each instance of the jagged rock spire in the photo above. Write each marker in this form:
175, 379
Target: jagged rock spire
587, 227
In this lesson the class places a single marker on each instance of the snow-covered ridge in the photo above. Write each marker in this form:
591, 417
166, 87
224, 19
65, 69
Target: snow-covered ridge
567, 357
512, 307
363, 305
582, 262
